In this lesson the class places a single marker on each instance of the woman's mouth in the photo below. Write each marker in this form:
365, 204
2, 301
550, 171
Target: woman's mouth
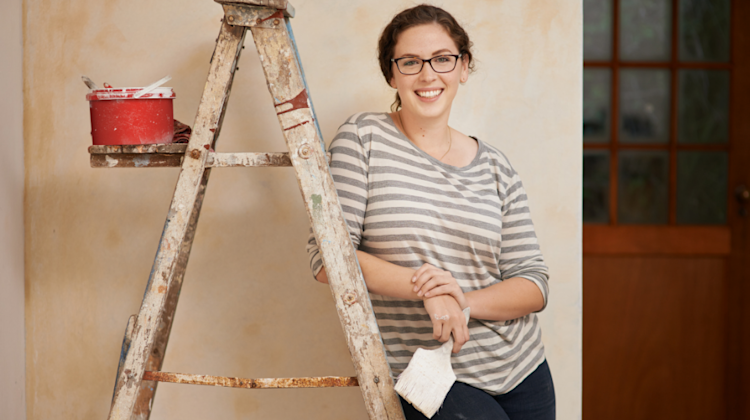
429, 94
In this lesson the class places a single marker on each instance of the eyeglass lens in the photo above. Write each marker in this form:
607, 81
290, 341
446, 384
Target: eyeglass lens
441, 64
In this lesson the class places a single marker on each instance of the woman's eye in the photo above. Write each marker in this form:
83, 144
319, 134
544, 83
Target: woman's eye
443, 59
410, 63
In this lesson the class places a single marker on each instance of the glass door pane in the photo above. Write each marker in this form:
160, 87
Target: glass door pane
597, 93
643, 187
702, 187
704, 30
645, 30
644, 106
703, 98
597, 30
596, 186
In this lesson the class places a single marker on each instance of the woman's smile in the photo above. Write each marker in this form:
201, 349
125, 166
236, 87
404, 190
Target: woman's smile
429, 94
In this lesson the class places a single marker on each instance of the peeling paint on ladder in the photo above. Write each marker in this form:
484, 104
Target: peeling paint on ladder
317, 203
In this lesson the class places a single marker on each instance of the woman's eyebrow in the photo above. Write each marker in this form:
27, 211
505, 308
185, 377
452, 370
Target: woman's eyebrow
438, 52
444, 50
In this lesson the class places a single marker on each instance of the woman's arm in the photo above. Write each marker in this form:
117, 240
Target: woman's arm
510, 299
388, 279
382, 277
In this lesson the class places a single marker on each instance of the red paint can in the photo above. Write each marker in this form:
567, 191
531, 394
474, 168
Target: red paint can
119, 118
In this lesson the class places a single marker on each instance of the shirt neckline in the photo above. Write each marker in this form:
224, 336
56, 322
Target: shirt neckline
435, 161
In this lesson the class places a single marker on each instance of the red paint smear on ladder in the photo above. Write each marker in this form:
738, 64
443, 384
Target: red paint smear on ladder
278, 15
298, 102
295, 126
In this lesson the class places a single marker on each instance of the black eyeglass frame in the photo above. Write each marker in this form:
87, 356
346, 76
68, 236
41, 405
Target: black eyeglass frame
429, 60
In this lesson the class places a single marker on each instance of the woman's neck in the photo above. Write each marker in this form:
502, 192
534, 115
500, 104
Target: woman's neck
430, 135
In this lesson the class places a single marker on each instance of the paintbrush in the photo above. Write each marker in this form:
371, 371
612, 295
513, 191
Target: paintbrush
429, 376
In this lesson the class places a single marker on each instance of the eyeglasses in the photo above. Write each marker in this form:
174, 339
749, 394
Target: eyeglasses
440, 63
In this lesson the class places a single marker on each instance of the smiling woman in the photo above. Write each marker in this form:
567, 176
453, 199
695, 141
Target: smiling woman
440, 221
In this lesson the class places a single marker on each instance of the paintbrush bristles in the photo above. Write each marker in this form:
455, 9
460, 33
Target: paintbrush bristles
429, 376
427, 379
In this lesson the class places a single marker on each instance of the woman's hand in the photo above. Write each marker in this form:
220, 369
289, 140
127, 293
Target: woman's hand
447, 318
430, 281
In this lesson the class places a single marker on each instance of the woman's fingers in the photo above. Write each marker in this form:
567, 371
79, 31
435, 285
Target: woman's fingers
437, 329
420, 270
446, 334
430, 285
460, 337
447, 289
425, 276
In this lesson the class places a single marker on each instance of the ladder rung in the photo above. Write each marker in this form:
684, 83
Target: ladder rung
229, 160
170, 148
109, 158
170, 155
314, 382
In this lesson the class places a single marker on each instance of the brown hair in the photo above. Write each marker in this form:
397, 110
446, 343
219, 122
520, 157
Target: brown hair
415, 16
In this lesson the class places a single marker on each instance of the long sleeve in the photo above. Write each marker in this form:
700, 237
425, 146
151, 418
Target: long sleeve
520, 255
349, 165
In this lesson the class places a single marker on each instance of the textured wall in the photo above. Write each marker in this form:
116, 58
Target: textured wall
249, 306
12, 366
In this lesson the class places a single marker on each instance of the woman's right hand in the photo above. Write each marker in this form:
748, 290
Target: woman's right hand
447, 318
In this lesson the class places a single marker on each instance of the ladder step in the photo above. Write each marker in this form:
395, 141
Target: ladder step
170, 155
314, 382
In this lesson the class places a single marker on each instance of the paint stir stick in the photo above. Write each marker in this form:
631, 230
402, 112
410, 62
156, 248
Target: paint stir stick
151, 87
90, 83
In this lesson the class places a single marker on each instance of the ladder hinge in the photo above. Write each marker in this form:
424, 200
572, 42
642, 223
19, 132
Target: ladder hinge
254, 17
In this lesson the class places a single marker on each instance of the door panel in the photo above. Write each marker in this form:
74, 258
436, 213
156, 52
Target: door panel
652, 325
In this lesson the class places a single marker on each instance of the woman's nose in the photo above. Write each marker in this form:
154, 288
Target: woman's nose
427, 73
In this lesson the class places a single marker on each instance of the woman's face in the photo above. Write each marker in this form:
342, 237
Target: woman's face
427, 94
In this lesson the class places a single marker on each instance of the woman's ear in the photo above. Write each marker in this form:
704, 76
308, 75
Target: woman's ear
392, 82
464, 70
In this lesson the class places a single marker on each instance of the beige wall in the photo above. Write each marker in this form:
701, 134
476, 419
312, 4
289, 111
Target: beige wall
249, 306
12, 406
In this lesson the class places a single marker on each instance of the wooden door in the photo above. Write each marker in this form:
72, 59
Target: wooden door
666, 237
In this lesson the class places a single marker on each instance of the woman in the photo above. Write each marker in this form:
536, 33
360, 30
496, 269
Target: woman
440, 221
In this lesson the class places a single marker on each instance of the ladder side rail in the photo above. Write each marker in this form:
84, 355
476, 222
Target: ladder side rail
321, 202
144, 399
304, 81
175, 228
147, 391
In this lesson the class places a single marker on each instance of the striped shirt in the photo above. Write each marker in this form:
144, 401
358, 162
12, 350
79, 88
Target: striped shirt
406, 207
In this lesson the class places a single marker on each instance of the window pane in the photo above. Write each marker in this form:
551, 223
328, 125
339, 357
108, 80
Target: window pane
703, 106
704, 30
702, 187
644, 106
597, 91
595, 186
597, 30
643, 187
645, 30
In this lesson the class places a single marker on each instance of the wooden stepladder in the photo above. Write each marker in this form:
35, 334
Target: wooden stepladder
147, 334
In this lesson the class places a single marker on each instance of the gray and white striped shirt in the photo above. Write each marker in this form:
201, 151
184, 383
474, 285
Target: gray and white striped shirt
407, 207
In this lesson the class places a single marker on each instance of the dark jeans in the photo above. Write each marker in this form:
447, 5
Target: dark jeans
532, 399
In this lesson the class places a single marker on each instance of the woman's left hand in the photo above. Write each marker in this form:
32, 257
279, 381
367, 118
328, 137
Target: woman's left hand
430, 281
